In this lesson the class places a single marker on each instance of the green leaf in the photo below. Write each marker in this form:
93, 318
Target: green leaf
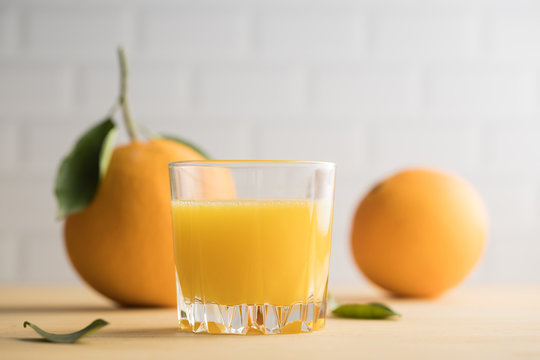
187, 143
364, 311
80, 171
68, 338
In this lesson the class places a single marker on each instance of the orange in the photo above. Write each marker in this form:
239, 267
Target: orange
419, 232
121, 244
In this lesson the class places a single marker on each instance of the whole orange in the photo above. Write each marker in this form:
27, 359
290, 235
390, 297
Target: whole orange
121, 244
419, 232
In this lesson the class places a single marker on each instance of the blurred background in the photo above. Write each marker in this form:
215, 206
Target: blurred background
374, 86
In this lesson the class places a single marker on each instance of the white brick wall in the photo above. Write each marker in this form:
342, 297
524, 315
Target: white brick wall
456, 148
195, 34
69, 32
514, 149
372, 85
27, 203
8, 38
347, 147
310, 35
40, 155
44, 257
241, 90
511, 263
34, 89
9, 257
483, 89
514, 34
506, 197
427, 34
369, 90
9, 147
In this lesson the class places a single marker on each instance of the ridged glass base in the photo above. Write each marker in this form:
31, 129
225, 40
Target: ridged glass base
252, 319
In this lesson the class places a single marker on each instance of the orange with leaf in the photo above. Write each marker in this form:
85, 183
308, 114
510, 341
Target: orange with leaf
116, 202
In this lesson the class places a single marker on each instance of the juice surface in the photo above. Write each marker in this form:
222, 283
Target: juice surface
252, 251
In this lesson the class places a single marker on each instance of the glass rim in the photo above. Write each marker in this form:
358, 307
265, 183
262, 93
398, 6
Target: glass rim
251, 163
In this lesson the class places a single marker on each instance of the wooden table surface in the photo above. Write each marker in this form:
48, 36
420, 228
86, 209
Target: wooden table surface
472, 323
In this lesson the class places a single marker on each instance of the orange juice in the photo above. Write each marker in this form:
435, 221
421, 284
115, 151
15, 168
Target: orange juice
252, 251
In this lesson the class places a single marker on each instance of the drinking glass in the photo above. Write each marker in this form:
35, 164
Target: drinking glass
252, 244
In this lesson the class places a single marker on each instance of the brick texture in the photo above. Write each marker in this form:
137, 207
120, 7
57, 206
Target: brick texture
373, 86
79, 33
426, 34
195, 34
34, 89
491, 90
514, 34
9, 37
311, 36
370, 90
253, 91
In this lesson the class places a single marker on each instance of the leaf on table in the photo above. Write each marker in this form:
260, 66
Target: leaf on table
68, 338
80, 171
364, 311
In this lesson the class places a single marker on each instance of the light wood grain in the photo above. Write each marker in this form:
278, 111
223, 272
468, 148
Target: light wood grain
486, 323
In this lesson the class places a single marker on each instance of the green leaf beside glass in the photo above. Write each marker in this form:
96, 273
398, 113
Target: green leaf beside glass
364, 311
71, 337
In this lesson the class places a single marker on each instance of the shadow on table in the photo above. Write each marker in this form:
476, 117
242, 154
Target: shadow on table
28, 309
128, 333
34, 340
148, 333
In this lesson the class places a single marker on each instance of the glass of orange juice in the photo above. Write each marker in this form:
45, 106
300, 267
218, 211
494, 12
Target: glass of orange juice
252, 244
